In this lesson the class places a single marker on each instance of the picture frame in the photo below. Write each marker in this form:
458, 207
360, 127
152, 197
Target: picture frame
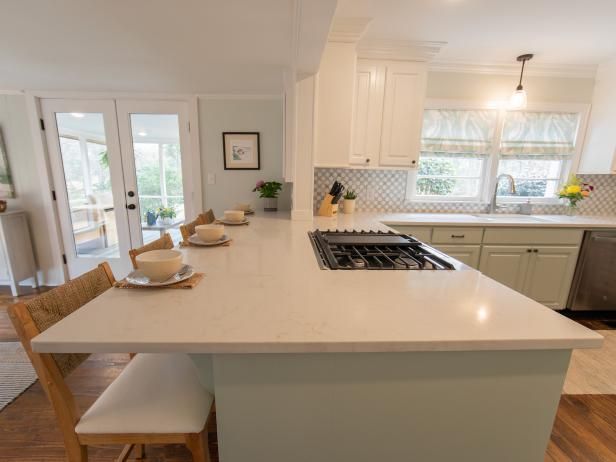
7, 189
241, 150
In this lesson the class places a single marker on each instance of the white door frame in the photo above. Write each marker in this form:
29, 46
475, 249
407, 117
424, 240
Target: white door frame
79, 265
124, 109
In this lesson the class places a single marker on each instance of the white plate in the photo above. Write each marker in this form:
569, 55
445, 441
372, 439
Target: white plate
228, 222
139, 279
194, 239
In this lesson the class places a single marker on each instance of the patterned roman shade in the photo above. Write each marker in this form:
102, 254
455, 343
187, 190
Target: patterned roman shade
451, 131
551, 134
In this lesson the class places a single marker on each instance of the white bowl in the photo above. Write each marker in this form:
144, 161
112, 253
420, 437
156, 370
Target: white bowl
159, 265
234, 215
210, 233
242, 206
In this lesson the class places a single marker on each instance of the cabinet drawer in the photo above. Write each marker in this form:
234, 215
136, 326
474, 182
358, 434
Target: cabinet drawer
423, 233
532, 236
457, 235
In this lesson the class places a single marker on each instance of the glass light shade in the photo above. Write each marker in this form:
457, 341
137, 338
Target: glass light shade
518, 100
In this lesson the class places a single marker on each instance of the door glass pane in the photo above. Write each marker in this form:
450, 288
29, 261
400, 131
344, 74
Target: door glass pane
88, 184
158, 165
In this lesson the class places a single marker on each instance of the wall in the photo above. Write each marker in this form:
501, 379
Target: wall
220, 115
490, 87
388, 189
21, 155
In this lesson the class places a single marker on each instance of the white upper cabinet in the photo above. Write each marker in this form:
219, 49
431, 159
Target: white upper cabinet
599, 155
367, 113
405, 89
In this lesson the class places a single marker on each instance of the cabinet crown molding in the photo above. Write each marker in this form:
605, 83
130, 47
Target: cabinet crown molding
407, 50
348, 30
579, 71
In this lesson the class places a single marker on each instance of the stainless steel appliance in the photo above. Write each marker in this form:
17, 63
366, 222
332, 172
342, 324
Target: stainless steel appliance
594, 283
376, 250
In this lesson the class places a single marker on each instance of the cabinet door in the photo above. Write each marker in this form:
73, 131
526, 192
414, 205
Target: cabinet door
507, 264
405, 88
367, 113
467, 254
549, 275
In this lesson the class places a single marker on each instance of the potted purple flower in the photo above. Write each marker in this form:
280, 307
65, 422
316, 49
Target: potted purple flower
268, 190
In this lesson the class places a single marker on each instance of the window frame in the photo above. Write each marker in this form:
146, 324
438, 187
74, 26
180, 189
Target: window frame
490, 165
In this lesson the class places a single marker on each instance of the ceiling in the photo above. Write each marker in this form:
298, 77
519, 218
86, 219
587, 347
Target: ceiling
560, 32
191, 46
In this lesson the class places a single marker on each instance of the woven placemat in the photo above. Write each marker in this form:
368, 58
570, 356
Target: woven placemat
189, 283
190, 244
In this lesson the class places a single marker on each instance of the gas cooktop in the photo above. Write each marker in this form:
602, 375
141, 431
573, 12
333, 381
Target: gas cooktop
375, 250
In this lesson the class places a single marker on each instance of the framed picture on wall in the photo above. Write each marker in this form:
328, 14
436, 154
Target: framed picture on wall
241, 150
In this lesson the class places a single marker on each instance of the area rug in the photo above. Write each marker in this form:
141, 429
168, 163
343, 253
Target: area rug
593, 371
16, 372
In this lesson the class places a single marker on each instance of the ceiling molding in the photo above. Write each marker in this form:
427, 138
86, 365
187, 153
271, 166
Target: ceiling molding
348, 30
579, 71
410, 50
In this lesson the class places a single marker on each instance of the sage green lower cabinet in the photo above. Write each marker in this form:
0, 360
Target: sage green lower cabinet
507, 264
543, 273
550, 274
467, 254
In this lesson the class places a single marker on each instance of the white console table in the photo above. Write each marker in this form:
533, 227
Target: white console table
17, 256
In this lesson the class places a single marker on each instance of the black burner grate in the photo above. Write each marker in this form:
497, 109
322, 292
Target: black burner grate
374, 250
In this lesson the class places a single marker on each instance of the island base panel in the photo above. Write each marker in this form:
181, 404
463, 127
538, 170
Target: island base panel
423, 406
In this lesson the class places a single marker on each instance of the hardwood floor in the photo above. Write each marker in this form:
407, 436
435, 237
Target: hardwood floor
584, 429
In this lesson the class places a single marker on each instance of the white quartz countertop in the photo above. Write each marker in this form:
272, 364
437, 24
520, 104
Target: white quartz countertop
484, 220
266, 294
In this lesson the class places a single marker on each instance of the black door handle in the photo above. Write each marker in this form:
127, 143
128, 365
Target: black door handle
131, 206
131, 193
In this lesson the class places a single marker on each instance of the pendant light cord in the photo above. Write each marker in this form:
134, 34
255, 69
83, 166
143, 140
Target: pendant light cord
521, 75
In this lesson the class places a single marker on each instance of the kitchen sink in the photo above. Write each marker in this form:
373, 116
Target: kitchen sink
510, 218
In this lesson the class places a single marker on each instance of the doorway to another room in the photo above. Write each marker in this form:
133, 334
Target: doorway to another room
121, 176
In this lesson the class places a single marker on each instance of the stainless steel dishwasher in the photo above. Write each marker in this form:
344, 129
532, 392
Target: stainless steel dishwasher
594, 283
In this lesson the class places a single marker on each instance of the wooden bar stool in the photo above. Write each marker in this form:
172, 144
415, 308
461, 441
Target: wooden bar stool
164, 242
156, 399
188, 229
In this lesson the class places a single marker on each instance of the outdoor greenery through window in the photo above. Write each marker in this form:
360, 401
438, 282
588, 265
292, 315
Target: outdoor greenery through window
463, 150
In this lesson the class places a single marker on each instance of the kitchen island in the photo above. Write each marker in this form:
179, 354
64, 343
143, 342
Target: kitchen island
308, 364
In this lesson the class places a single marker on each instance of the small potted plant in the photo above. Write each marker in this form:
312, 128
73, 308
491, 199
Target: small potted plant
574, 191
348, 205
150, 217
166, 215
268, 190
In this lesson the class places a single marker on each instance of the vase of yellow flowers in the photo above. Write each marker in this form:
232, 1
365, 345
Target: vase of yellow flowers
574, 191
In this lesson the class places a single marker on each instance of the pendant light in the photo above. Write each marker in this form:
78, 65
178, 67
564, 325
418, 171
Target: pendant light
518, 98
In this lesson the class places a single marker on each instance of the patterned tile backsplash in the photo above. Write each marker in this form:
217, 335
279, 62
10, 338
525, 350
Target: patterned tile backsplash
389, 190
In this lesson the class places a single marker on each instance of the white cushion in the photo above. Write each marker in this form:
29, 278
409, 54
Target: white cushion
155, 393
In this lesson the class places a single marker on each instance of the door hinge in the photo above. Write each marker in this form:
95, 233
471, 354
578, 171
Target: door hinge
189, 127
53, 194
64, 258
42, 124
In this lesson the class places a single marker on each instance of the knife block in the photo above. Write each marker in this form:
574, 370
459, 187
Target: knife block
327, 209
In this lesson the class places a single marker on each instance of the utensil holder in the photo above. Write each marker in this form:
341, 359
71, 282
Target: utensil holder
327, 209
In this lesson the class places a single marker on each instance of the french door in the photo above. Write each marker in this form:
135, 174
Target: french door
113, 161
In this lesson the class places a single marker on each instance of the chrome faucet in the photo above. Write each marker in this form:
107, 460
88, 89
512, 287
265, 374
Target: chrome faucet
493, 205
